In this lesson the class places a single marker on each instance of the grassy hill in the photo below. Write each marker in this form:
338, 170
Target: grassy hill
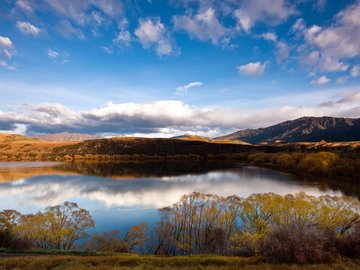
17, 147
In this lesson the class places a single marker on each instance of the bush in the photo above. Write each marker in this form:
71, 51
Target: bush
289, 245
349, 245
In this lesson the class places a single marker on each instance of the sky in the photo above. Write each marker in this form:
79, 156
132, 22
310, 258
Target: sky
162, 68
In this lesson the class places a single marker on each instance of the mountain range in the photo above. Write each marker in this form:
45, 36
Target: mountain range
304, 129
66, 136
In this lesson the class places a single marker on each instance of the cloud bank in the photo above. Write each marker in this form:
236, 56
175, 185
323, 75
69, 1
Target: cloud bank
167, 118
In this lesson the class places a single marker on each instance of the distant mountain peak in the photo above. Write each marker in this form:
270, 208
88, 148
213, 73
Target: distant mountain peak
304, 129
66, 136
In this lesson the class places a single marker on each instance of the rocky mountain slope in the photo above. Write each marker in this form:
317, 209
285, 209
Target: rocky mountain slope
305, 129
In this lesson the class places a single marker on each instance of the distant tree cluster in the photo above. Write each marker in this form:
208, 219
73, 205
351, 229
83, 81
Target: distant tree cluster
292, 228
322, 163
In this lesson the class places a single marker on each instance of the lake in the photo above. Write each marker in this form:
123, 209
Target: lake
124, 194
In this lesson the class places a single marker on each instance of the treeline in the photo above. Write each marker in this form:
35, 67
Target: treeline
61, 227
293, 228
321, 163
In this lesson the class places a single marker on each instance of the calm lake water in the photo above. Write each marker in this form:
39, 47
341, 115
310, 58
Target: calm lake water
121, 195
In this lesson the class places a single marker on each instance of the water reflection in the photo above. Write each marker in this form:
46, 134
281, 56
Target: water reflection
119, 195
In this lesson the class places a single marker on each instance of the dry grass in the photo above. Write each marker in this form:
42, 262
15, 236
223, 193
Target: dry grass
16, 147
13, 143
127, 261
204, 139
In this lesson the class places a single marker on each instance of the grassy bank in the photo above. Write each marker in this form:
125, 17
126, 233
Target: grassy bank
130, 261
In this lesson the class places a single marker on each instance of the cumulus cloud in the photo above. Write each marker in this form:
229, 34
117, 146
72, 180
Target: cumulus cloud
151, 33
182, 90
7, 48
167, 118
28, 29
269, 36
283, 51
271, 12
204, 26
252, 69
335, 44
123, 38
321, 80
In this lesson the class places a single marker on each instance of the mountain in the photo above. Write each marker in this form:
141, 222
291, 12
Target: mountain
305, 129
66, 136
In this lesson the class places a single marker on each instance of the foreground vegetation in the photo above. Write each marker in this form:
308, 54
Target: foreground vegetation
137, 262
283, 229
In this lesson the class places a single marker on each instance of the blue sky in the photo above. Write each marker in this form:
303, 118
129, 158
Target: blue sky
167, 67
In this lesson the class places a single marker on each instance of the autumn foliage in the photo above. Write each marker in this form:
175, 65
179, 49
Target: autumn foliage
292, 228
323, 163
58, 227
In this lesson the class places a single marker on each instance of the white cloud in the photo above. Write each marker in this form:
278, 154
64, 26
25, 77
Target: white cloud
108, 50
67, 30
204, 26
24, 5
167, 118
123, 38
6, 42
269, 12
182, 90
153, 33
283, 51
6, 65
81, 13
338, 42
321, 80
299, 26
269, 36
58, 56
52, 54
28, 29
252, 69
355, 71
7, 48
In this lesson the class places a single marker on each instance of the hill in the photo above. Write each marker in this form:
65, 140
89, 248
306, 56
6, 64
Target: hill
121, 148
66, 136
305, 129
205, 139
17, 147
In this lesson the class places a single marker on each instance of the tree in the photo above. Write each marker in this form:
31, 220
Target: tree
8, 221
131, 241
68, 223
